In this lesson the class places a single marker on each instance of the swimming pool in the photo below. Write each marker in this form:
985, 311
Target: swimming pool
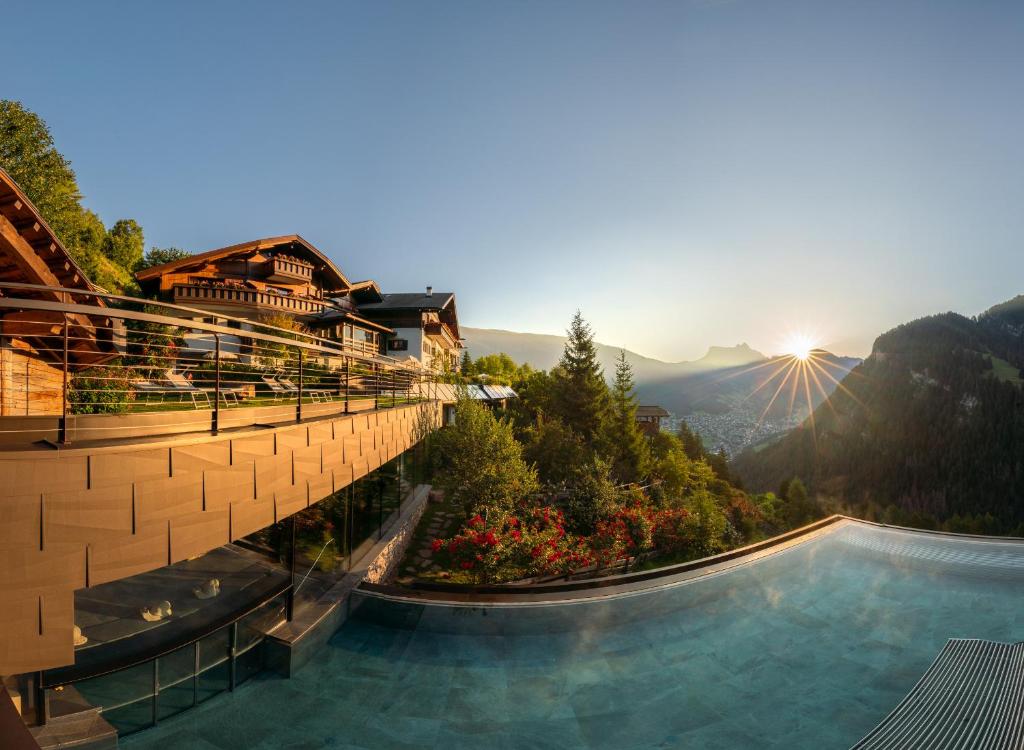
809, 647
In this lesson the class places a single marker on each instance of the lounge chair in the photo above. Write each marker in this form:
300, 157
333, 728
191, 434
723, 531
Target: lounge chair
183, 385
276, 388
317, 394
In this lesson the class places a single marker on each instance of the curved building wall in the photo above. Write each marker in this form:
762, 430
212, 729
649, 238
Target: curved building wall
77, 517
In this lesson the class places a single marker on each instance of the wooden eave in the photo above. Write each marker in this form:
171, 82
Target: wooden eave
336, 280
32, 252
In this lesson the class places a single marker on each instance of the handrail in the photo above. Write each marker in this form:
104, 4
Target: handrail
139, 366
170, 320
52, 678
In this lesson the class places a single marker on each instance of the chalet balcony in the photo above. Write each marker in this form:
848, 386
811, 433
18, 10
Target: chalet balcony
223, 294
287, 270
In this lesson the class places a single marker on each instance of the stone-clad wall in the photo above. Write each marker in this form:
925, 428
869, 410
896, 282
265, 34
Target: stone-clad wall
386, 561
81, 517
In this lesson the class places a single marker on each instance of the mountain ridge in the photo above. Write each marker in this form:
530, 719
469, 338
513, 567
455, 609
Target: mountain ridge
927, 431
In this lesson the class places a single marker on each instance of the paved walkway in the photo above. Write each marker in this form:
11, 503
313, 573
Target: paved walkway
438, 522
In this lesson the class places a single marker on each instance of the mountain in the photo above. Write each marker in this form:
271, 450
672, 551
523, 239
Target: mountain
928, 431
723, 395
718, 390
542, 352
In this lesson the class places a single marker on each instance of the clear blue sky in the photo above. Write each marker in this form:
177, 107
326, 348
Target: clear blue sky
688, 173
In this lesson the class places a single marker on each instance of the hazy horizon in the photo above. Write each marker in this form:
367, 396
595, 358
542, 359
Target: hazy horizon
687, 174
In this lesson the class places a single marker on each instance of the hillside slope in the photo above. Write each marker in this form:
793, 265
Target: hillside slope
931, 426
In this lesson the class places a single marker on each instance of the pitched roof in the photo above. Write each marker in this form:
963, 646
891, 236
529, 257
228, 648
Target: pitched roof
651, 411
294, 241
30, 252
411, 301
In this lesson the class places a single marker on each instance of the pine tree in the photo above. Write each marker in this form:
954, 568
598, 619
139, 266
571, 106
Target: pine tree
692, 443
581, 393
466, 366
630, 452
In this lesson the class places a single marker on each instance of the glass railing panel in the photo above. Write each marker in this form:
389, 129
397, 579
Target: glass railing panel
176, 678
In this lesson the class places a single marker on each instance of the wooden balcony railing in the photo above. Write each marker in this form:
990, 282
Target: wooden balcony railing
288, 269
200, 293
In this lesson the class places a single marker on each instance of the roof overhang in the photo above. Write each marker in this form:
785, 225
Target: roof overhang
294, 242
32, 252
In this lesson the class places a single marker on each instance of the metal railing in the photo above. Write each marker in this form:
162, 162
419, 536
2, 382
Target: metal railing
72, 369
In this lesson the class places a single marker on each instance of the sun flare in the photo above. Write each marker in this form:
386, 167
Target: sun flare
800, 346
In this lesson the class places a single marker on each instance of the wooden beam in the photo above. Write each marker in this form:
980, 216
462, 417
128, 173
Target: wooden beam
30, 223
25, 258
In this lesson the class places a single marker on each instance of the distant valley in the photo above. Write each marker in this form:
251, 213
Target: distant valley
724, 395
927, 432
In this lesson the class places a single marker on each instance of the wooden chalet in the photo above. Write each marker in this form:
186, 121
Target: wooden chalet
276, 275
425, 324
32, 340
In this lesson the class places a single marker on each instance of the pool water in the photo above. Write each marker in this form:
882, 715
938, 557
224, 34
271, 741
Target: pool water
808, 648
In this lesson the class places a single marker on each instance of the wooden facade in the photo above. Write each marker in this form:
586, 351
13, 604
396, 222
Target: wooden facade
278, 275
649, 418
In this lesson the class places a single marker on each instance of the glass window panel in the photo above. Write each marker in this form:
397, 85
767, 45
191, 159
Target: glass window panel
131, 717
248, 664
213, 681
112, 690
175, 677
213, 649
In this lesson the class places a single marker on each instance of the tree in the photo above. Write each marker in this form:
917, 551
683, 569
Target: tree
480, 463
706, 523
157, 256
554, 450
581, 394
466, 366
629, 450
593, 497
29, 155
124, 243
692, 443
798, 509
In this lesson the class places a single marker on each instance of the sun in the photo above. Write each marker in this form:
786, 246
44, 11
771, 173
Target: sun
800, 346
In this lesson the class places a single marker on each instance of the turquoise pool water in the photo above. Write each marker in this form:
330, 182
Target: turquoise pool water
807, 648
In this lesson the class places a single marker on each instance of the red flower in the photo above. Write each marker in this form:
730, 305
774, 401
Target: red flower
436, 545
466, 565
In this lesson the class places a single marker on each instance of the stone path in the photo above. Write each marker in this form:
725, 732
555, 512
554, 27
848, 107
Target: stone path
441, 524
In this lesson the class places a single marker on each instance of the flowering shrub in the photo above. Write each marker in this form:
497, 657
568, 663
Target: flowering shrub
672, 534
507, 546
626, 533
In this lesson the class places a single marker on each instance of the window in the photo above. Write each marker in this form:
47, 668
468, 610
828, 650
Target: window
398, 345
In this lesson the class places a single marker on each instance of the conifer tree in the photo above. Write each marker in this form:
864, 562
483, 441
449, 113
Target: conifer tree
692, 443
582, 394
630, 452
466, 366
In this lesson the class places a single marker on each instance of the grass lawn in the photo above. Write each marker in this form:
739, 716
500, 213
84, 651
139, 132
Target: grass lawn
1005, 371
